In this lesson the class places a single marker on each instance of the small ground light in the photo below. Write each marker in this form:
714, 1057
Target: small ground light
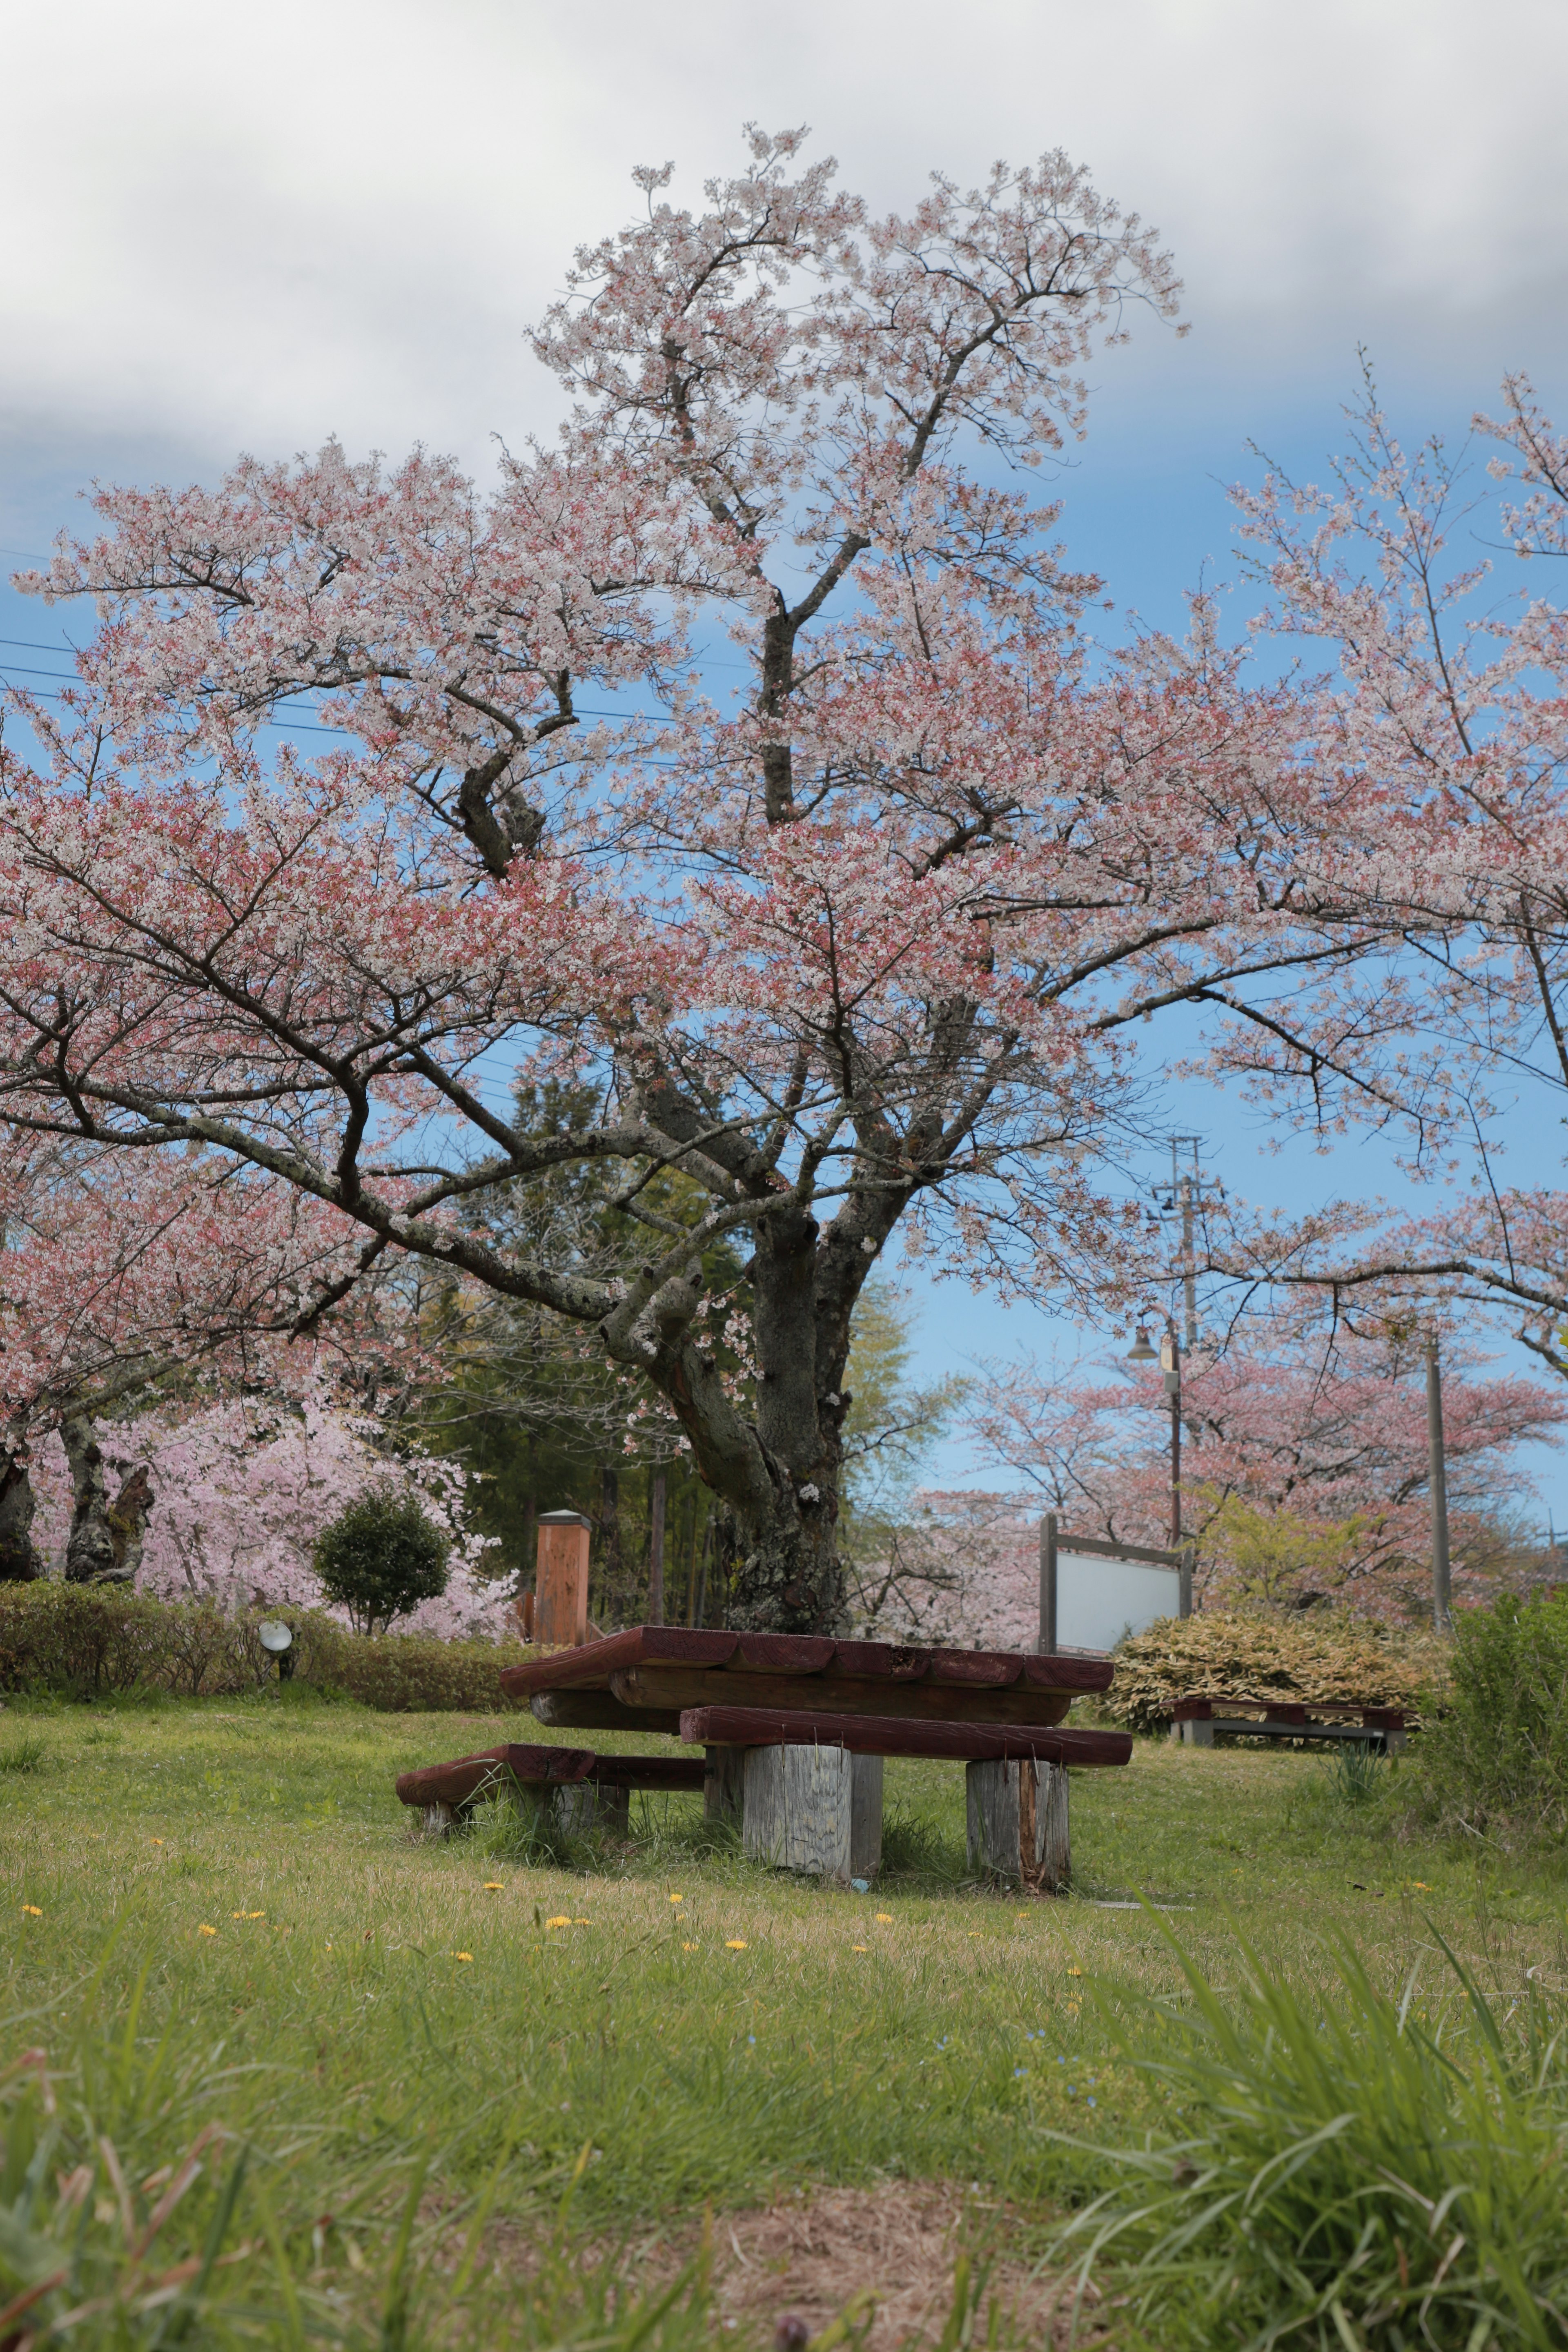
277, 1638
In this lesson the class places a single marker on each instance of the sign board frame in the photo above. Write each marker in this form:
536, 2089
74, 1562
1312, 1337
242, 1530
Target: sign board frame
1053, 1541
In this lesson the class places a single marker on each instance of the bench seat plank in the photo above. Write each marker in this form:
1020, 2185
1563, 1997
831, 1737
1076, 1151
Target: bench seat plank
752, 1726
458, 1783
454, 1783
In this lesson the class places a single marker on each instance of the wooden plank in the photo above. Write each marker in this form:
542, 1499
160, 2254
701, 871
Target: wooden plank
755, 1727
591, 1666
798, 1656
682, 1772
781, 1653
454, 1783
662, 1687
592, 1710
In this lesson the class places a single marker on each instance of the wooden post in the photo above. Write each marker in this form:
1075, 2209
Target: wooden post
1018, 1826
655, 1547
723, 1774
1048, 1585
580, 1806
561, 1601
818, 1810
438, 1821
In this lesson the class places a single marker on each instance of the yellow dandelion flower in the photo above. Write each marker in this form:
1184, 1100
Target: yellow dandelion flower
248, 1915
1075, 1972
157, 1841
563, 1920
677, 1898
32, 1910
495, 1886
735, 1944
884, 1919
582, 1923
688, 1948
205, 1930
857, 1947
462, 1955
1421, 1882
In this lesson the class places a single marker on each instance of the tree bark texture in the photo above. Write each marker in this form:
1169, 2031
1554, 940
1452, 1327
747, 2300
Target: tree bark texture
106, 1537
19, 1561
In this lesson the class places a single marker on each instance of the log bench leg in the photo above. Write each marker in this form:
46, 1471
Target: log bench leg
818, 1810
1196, 1734
723, 1784
580, 1806
438, 1821
1019, 1828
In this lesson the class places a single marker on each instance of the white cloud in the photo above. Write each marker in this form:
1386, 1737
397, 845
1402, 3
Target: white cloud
229, 226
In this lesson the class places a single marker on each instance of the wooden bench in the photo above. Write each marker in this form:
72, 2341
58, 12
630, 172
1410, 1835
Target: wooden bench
1379, 1728
581, 1789
810, 1786
795, 1727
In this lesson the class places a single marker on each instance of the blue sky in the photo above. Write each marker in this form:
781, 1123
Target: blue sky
228, 230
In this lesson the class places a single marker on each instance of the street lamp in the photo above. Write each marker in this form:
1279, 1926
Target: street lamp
1170, 1361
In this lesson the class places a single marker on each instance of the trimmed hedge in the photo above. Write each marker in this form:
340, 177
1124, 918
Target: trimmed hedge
1237, 1653
84, 1640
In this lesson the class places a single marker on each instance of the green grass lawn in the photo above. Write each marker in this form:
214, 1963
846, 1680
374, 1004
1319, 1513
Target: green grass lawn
215, 1914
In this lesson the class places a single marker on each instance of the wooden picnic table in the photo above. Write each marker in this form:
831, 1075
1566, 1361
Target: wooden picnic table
795, 1729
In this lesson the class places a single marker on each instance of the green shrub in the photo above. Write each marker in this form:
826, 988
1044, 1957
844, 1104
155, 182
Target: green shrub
1498, 1762
415, 1673
1343, 2172
87, 1640
1249, 1653
379, 1559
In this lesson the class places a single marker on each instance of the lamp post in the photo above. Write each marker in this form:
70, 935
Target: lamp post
1170, 1362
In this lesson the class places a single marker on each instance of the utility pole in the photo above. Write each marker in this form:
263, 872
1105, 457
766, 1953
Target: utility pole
1187, 1193
1170, 1361
1438, 1482
1171, 1365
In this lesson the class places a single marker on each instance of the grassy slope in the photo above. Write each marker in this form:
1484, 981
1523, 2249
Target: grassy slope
340, 2032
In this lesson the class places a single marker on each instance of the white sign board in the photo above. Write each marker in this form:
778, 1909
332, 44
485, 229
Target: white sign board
1098, 1599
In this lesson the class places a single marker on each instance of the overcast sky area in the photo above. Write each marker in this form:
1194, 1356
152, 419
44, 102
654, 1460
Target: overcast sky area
232, 229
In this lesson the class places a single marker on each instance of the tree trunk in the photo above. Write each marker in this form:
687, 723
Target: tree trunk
19, 1561
656, 1545
105, 1538
612, 1599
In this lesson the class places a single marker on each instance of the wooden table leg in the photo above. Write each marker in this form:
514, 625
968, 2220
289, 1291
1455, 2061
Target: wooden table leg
818, 1810
1018, 1824
722, 1784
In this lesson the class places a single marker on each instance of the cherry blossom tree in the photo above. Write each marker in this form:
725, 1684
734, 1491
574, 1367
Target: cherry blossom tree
1442, 722
126, 1282
241, 1488
1308, 1479
853, 938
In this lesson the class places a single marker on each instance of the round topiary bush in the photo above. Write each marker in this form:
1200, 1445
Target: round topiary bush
379, 1558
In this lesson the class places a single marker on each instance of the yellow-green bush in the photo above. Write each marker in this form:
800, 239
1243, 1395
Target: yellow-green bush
1236, 1654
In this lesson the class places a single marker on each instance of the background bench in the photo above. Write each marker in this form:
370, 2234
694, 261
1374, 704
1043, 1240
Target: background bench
1380, 1728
